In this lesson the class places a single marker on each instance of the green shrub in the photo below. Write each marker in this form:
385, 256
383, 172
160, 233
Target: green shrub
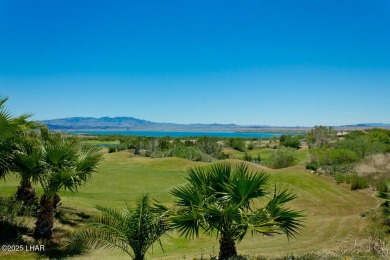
358, 182
112, 149
283, 157
247, 157
312, 166
340, 178
383, 186
251, 146
237, 144
190, 153
363, 146
121, 147
332, 157
9, 209
10, 229
290, 141
209, 145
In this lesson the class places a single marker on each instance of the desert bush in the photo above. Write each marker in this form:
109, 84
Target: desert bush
376, 168
363, 146
383, 186
164, 144
290, 141
189, 143
237, 144
381, 135
283, 157
190, 153
312, 166
332, 157
251, 146
209, 146
358, 182
340, 178
121, 147
247, 157
112, 149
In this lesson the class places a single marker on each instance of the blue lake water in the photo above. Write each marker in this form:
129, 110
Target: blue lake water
181, 134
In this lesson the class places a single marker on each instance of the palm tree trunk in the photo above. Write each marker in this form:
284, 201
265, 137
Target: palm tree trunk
44, 224
139, 257
26, 193
227, 248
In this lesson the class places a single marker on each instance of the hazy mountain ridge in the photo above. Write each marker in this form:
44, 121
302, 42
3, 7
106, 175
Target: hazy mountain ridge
131, 123
126, 123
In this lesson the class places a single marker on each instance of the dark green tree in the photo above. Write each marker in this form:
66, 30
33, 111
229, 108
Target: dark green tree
67, 164
11, 129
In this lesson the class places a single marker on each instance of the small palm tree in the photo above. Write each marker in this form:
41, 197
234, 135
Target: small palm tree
66, 163
133, 231
220, 201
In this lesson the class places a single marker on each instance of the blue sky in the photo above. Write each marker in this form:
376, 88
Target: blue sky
245, 62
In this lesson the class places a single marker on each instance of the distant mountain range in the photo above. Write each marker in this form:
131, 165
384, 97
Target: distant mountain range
127, 123
131, 123
368, 125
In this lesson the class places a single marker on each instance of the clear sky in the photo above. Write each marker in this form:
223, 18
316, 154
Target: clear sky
246, 62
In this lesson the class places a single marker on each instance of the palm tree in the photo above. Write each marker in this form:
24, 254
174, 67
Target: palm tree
27, 163
220, 201
67, 163
133, 231
11, 129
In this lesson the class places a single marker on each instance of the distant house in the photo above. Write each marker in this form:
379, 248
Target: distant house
342, 133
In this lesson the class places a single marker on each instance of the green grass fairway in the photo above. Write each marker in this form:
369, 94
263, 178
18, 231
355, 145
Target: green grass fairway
332, 211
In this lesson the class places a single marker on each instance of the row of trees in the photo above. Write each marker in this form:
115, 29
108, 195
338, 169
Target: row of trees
36, 155
202, 149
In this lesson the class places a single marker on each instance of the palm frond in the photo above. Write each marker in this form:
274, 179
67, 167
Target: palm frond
197, 177
132, 230
289, 221
188, 196
187, 221
245, 186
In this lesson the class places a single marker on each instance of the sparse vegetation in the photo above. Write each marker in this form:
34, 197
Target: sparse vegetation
290, 141
283, 157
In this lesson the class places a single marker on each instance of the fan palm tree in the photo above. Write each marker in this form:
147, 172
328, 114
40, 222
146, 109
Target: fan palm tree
27, 164
67, 163
220, 201
11, 129
133, 231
